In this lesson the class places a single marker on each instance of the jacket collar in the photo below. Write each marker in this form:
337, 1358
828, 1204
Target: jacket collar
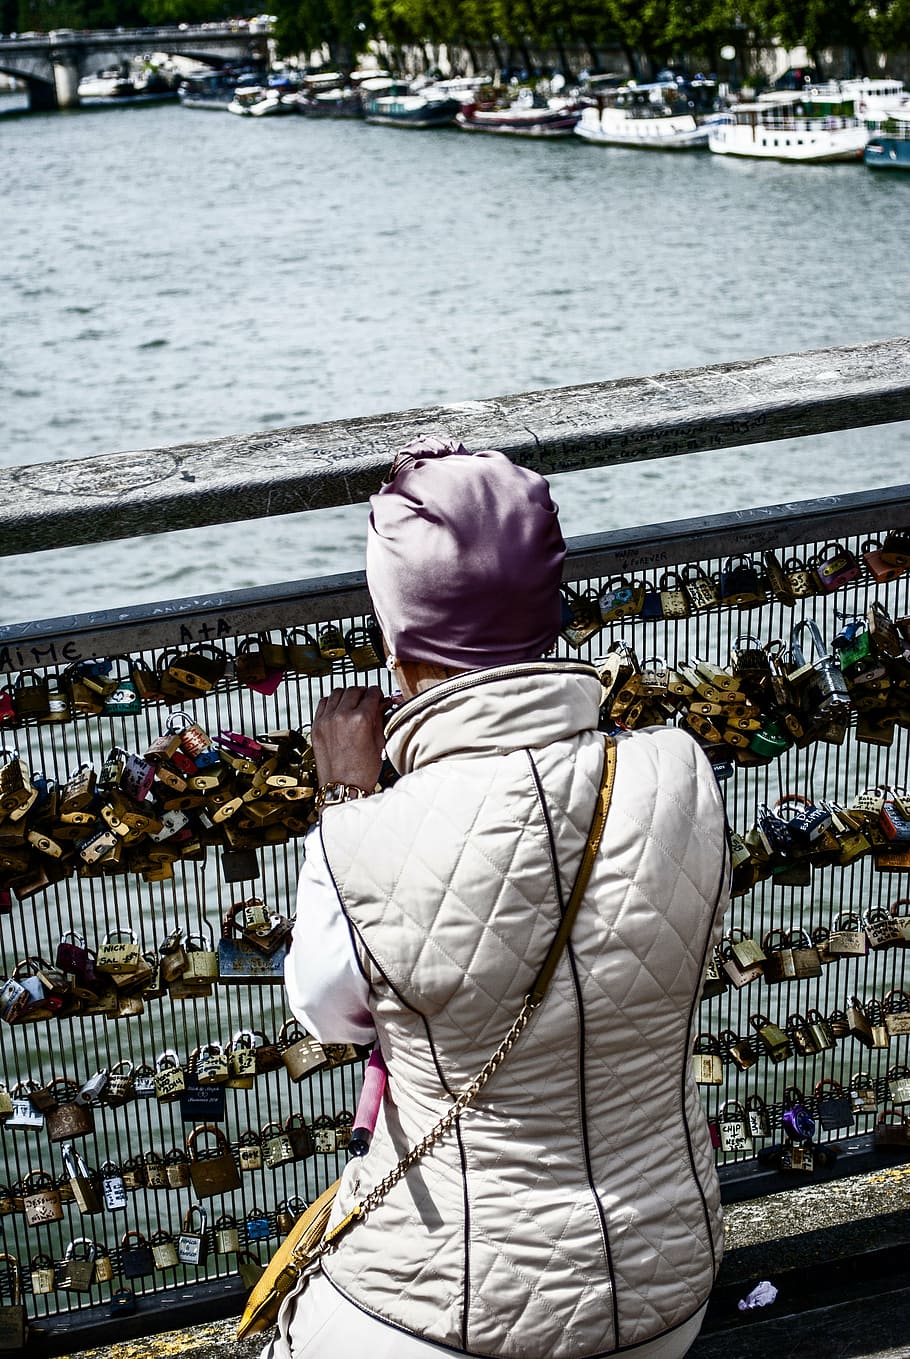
484, 712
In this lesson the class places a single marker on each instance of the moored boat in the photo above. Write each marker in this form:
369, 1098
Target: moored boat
418, 111
528, 116
809, 127
655, 117
889, 147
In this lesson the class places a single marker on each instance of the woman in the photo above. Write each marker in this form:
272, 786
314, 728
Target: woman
573, 1209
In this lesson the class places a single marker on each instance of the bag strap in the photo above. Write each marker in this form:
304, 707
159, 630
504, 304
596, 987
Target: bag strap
532, 1001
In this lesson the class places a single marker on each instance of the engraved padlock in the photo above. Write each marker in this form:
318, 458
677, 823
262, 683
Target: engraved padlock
76, 1272
192, 1243
81, 1180
41, 1199
227, 1235
113, 1188
164, 1250
276, 1146
249, 1150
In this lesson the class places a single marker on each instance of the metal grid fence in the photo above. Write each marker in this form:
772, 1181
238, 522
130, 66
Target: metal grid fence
255, 664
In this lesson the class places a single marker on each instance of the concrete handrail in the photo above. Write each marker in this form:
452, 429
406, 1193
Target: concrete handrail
283, 471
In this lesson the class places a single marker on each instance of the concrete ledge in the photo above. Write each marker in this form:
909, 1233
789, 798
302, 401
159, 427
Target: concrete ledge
838, 1253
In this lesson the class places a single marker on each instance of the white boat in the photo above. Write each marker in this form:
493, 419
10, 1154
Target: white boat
649, 117
256, 102
809, 127
877, 99
105, 85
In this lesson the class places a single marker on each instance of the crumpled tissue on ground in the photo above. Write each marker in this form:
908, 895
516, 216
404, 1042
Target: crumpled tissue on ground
762, 1295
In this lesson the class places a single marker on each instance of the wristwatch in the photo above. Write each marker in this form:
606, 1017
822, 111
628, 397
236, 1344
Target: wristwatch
330, 794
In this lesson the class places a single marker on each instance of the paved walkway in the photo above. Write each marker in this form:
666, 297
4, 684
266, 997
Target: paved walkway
839, 1253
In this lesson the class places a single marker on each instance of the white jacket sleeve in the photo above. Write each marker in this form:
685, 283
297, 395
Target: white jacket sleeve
326, 989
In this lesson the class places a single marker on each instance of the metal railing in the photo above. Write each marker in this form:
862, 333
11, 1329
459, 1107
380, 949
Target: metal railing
213, 832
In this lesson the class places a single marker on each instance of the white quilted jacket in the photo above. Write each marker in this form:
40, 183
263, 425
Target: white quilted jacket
574, 1211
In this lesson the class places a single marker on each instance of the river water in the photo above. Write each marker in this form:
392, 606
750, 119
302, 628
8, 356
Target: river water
171, 274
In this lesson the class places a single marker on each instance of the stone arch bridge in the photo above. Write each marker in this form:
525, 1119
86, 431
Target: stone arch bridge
52, 64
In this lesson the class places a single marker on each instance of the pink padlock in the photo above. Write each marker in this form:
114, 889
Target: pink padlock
7, 706
834, 566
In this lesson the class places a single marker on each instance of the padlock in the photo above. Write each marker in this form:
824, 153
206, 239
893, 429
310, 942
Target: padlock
134, 1173
835, 1108
144, 1081
113, 1189
833, 566
894, 821
69, 1117
822, 689
847, 938
822, 1031
135, 1255
881, 1038
896, 1006
276, 1146
6, 1105
252, 668
120, 1084
40, 1199
241, 1055
122, 1302
177, 1168
155, 1171
798, 1156
42, 1274
733, 1124
76, 1271
323, 1130
249, 1268
620, 598
216, 1173
758, 1120
170, 1078
249, 1150
898, 1079
779, 965
287, 1213
707, 1061
31, 695
164, 1250
119, 952
882, 929
863, 1093
801, 1035
743, 958
739, 1050
344, 1126
740, 583
302, 653
879, 568
796, 1120
300, 1053
714, 982
212, 1065
72, 953
239, 865
201, 958
227, 1235
192, 1243
190, 674
330, 641
26, 1117
772, 1037
700, 588
892, 1129
300, 1137
581, 618
806, 960
81, 1181
364, 648
257, 1225
858, 1025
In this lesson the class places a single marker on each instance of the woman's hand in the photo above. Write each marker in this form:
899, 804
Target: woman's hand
347, 736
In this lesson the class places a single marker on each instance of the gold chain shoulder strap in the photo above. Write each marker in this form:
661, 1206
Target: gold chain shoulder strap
531, 1002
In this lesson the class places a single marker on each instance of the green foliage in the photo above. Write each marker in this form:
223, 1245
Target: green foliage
651, 32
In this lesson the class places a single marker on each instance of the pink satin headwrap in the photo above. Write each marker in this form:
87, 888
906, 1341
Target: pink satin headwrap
464, 558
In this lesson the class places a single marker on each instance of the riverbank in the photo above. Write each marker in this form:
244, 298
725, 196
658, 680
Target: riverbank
836, 1251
